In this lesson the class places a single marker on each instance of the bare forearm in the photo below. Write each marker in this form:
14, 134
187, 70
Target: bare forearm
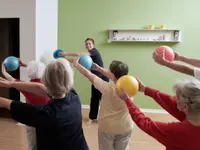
74, 53
192, 61
8, 76
69, 54
180, 68
5, 103
35, 88
85, 72
70, 59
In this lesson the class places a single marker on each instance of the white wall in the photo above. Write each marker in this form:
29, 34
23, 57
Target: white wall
46, 29
38, 27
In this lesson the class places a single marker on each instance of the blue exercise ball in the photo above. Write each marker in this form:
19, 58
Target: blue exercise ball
86, 61
55, 54
11, 63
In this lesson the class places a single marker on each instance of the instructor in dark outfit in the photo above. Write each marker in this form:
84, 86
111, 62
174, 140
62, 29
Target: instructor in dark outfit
97, 59
95, 94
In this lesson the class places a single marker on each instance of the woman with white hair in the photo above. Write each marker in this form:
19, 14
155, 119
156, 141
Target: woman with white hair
183, 135
59, 122
35, 70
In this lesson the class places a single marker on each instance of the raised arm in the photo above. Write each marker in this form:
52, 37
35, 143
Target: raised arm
192, 61
84, 71
95, 80
166, 101
36, 88
157, 130
6, 74
159, 59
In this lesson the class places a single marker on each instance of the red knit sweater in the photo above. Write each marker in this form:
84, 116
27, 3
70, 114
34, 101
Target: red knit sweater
32, 98
174, 135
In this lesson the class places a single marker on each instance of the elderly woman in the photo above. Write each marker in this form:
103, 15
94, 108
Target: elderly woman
59, 122
183, 135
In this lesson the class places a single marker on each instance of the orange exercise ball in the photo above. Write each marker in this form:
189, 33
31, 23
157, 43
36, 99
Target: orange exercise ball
129, 84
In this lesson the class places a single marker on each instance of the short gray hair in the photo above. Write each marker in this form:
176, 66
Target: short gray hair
188, 92
35, 69
58, 77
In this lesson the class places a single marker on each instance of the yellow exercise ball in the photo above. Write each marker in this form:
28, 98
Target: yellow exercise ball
129, 84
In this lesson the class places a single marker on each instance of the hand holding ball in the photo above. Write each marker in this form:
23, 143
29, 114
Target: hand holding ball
55, 54
11, 63
129, 84
168, 52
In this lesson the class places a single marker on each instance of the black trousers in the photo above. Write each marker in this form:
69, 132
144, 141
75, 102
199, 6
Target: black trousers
94, 101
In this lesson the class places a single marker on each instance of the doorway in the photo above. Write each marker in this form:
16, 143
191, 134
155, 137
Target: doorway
9, 46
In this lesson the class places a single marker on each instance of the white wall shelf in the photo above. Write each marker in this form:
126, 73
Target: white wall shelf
145, 35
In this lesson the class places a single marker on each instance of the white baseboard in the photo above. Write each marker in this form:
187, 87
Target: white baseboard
155, 111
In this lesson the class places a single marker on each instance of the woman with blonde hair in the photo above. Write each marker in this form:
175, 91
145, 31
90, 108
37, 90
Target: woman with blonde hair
59, 122
183, 135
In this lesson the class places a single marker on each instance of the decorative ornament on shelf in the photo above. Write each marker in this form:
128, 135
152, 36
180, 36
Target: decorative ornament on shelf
151, 27
115, 35
162, 26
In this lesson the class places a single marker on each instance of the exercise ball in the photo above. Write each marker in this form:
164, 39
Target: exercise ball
11, 63
55, 54
86, 61
169, 53
129, 84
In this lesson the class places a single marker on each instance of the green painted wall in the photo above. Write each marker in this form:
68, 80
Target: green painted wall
79, 19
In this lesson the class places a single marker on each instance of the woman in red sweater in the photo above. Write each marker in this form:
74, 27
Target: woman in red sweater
185, 106
35, 71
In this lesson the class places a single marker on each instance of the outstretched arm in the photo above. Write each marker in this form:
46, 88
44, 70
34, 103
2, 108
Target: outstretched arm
95, 80
157, 130
192, 61
166, 101
71, 60
84, 71
180, 68
36, 88
177, 67
32, 115
72, 53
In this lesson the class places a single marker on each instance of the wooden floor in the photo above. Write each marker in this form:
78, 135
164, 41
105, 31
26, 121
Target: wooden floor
13, 136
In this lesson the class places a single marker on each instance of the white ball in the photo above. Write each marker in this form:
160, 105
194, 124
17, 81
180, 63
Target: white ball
47, 57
